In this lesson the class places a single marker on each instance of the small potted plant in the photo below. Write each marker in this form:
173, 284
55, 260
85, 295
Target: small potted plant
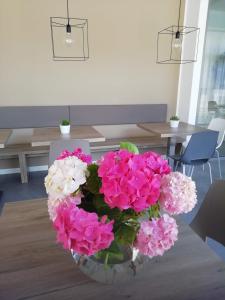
65, 127
174, 121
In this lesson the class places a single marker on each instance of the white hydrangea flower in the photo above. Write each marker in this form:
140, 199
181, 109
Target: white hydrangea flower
65, 177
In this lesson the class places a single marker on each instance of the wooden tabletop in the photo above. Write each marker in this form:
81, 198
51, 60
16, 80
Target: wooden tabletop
44, 136
4, 136
165, 131
33, 266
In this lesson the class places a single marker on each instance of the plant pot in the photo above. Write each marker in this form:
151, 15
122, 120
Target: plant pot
115, 271
65, 129
174, 123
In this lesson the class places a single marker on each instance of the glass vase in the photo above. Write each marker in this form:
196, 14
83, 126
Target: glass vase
114, 271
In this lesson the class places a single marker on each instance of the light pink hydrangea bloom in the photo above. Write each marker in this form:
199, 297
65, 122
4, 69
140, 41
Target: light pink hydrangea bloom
53, 203
81, 231
78, 153
157, 236
130, 180
178, 193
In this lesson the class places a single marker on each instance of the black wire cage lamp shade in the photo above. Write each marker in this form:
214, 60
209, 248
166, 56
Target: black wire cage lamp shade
69, 38
171, 41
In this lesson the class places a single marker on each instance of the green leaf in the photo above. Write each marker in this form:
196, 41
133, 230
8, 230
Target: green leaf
93, 181
102, 208
125, 235
110, 255
129, 146
65, 122
153, 211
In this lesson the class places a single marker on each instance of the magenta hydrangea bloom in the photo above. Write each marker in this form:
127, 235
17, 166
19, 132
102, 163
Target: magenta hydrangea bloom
178, 193
157, 236
129, 180
81, 231
156, 163
78, 153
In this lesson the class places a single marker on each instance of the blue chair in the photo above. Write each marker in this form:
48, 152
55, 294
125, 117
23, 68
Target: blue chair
199, 151
209, 223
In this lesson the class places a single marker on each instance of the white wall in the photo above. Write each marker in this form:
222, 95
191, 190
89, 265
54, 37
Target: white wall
121, 68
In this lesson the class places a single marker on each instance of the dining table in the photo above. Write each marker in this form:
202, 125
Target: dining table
165, 131
33, 266
44, 136
4, 136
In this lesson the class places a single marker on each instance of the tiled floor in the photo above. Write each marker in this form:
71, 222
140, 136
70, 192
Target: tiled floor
13, 190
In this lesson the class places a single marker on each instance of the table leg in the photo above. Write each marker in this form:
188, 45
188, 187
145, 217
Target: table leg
168, 146
169, 151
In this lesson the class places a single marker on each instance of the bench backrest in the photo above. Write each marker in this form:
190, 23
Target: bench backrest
117, 114
50, 116
32, 116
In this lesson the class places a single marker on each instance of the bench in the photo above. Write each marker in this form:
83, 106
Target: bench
22, 152
95, 115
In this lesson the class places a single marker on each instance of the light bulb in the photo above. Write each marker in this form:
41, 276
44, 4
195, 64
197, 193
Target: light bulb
68, 40
177, 41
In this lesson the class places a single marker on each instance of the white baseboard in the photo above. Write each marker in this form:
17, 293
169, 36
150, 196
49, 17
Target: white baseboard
17, 170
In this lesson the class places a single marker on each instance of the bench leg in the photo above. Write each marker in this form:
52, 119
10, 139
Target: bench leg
23, 168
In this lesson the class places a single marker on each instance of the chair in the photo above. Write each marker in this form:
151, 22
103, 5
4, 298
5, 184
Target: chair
210, 219
58, 146
218, 124
199, 150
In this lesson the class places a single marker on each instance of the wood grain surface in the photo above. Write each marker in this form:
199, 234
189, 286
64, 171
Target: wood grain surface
44, 136
4, 136
165, 131
33, 266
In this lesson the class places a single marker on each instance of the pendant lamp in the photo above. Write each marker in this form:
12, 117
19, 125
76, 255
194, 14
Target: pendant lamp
69, 38
177, 44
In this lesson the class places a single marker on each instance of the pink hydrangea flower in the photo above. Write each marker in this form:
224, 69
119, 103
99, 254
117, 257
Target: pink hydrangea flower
156, 236
78, 153
53, 203
128, 181
81, 231
178, 193
156, 163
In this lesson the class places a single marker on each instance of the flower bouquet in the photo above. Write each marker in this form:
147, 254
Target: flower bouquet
125, 200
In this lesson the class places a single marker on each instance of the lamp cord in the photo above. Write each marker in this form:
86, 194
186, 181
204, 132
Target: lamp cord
68, 15
178, 25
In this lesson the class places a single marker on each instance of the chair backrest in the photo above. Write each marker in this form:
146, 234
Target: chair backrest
210, 219
58, 146
201, 146
218, 124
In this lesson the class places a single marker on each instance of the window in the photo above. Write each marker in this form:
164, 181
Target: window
211, 101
